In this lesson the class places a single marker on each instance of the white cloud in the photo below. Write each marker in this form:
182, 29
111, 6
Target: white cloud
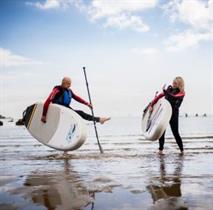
197, 16
195, 13
122, 14
7, 59
107, 8
145, 51
51, 4
187, 39
127, 22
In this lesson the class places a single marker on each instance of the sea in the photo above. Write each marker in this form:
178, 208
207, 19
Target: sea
129, 175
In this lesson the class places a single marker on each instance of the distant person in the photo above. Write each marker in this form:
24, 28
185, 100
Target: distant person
63, 95
174, 94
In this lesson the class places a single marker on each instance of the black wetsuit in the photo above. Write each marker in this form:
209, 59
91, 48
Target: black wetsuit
175, 97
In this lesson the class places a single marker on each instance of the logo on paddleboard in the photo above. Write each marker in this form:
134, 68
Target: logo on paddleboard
71, 133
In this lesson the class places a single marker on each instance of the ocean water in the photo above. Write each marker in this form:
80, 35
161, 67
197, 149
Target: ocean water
129, 175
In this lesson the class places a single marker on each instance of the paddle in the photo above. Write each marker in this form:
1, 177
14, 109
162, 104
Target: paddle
96, 132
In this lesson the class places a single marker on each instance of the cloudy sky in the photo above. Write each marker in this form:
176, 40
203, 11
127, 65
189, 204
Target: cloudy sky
130, 48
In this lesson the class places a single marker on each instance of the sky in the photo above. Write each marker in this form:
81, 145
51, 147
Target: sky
130, 49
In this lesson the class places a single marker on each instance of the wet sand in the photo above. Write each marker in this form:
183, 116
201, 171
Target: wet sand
129, 175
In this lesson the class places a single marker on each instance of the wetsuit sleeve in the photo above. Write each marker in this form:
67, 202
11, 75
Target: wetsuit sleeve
175, 99
79, 99
157, 98
178, 95
49, 100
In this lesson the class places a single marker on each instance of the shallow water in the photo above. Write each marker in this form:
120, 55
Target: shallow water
129, 175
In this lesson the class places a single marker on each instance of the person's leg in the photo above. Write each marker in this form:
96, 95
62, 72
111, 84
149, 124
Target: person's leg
161, 142
87, 116
174, 127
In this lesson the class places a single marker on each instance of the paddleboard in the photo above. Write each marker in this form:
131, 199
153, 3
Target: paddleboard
64, 129
156, 122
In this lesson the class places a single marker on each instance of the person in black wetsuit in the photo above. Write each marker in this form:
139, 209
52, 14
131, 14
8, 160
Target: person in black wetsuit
174, 94
63, 95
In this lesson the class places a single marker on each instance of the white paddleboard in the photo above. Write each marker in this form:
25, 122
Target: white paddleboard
155, 123
64, 129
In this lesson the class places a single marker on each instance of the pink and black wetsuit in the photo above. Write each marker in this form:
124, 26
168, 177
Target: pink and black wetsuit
64, 97
175, 97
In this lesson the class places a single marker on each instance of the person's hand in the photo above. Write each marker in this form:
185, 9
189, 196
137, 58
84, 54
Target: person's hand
90, 106
150, 109
164, 87
44, 119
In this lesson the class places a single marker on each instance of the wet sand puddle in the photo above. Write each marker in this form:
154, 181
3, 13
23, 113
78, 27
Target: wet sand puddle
129, 175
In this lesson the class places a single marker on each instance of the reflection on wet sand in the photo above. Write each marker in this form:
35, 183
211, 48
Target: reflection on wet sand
166, 194
35, 177
59, 191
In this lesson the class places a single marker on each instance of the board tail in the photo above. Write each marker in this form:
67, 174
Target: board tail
27, 114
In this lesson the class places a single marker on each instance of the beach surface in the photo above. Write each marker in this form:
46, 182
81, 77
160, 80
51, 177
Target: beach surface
130, 175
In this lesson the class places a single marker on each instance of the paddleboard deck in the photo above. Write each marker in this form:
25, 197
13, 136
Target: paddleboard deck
64, 129
155, 123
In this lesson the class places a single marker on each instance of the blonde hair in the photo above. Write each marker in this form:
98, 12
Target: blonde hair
180, 83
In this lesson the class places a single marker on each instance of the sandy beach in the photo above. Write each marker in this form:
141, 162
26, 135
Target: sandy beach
128, 176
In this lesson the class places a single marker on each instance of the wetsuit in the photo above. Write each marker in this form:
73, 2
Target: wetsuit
175, 97
64, 97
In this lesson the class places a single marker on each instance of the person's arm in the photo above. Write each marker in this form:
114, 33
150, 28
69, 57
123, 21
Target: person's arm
155, 100
80, 100
47, 103
178, 95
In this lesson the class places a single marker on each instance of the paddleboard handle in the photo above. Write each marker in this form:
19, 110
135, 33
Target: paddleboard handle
94, 122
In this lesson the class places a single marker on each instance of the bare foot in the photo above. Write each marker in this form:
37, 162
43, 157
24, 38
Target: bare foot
65, 154
104, 119
160, 152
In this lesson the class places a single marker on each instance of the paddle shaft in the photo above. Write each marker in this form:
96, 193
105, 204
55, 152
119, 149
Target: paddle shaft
94, 122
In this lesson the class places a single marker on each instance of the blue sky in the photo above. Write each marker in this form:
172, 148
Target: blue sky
130, 48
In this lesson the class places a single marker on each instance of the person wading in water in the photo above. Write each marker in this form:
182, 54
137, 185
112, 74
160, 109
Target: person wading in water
174, 94
63, 95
